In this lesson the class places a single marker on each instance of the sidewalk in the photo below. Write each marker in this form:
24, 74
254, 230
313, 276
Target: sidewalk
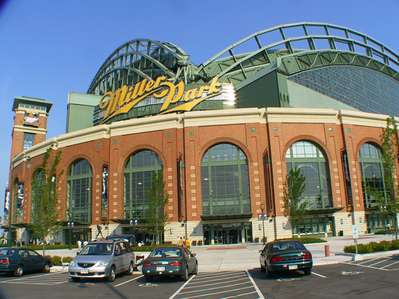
246, 256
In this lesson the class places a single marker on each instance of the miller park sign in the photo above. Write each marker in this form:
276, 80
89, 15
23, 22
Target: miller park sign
175, 96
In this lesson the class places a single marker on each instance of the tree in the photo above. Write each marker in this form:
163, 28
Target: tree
155, 215
294, 206
44, 220
387, 204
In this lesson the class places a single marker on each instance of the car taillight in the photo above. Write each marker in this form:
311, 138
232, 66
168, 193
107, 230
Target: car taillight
276, 259
146, 263
307, 256
4, 261
175, 264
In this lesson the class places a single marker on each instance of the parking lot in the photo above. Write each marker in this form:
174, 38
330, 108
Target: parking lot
373, 278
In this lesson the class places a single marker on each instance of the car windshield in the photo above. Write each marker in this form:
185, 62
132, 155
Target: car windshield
7, 251
281, 246
166, 252
97, 249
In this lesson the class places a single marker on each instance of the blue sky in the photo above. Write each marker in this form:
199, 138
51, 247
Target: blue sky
49, 48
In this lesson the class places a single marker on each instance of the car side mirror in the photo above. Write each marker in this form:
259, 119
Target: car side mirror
77, 253
193, 254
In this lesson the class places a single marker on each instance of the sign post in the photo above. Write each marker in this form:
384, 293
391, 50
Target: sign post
355, 236
263, 217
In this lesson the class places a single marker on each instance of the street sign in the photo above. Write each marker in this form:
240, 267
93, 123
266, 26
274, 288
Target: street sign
355, 231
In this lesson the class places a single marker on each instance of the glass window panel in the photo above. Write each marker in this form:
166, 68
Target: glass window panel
140, 170
224, 181
79, 191
370, 158
311, 161
29, 139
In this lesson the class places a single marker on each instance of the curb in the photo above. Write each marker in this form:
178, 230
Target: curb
364, 256
55, 269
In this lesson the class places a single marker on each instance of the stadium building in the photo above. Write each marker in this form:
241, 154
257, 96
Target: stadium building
224, 135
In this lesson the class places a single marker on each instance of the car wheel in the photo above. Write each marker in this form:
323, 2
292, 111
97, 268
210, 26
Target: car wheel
112, 274
131, 268
307, 271
262, 268
148, 278
75, 279
269, 272
46, 268
184, 276
19, 271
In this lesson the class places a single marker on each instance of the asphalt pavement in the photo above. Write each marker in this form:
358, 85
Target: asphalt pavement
367, 279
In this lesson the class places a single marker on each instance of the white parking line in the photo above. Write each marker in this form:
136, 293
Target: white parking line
241, 274
29, 277
216, 283
215, 288
127, 281
214, 274
243, 294
200, 278
369, 260
394, 263
364, 266
177, 292
317, 274
373, 264
255, 286
221, 292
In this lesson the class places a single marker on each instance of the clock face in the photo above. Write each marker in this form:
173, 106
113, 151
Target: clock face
30, 120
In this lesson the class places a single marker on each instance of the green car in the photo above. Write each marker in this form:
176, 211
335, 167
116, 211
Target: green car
284, 256
170, 261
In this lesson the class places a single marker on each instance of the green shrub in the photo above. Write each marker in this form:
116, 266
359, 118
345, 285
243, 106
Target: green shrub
373, 247
56, 260
67, 259
151, 247
395, 245
307, 240
52, 246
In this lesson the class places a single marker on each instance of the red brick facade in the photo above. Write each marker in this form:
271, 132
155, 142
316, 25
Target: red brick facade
264, 143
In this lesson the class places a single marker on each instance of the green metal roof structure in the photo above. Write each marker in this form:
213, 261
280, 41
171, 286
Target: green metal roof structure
141, 59
303, 64
297, 47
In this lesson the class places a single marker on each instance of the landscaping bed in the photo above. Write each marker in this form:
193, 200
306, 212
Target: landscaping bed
373, 247
307, 240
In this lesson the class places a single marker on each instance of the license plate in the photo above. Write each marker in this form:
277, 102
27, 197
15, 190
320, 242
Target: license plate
160, 269
84, 271
292, 267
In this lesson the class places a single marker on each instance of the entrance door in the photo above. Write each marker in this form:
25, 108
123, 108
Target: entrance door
231, 233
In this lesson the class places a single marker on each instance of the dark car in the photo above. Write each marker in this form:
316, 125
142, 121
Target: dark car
20, 260
126, 237
170, 261
285, 255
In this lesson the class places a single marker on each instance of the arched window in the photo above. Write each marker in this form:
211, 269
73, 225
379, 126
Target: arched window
370, 158
19, 200
314, 167
79, 192
140, 170
224, 181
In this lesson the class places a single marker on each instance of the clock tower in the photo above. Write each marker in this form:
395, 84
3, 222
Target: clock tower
30, 123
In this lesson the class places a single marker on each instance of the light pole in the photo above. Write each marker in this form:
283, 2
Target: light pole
70, 227
263, 217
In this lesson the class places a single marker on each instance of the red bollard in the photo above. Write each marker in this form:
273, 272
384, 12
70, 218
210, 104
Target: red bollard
327, 250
